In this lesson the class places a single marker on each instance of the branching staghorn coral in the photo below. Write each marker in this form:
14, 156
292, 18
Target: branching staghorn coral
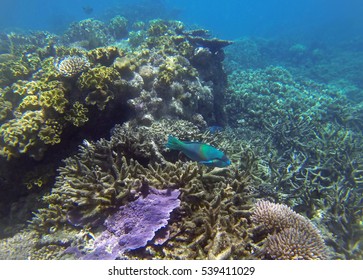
210, 224
312, 160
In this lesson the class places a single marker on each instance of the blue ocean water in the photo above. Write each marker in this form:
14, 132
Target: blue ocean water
312, 19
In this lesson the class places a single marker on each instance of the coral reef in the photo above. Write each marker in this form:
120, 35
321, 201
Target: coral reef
99, 82
72, 65
11, 71
99, 179
163, 77
291, 236
118, 27
20, 135
136, 223
89, 33
313, 142
290, 140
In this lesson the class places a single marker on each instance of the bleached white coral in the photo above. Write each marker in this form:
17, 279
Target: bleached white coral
72, 65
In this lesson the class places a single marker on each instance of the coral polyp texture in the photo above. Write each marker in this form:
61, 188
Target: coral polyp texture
72, 65
290, 235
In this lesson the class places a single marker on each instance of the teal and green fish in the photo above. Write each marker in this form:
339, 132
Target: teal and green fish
200, 152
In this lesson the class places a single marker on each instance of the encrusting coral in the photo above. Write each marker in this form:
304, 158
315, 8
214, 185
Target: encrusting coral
133, 225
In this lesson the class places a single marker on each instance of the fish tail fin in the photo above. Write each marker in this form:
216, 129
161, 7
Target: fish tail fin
174, 143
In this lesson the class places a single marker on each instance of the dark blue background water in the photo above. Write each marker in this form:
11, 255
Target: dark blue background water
230, 19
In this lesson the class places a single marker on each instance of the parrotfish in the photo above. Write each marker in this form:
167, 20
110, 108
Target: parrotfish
200, 152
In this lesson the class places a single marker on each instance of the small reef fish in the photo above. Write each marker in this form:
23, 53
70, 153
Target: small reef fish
87, 9
200, 152
215, 129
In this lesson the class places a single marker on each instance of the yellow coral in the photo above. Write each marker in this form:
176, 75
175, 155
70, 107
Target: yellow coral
126, 63
50, 132
32, 95
23, 88
48, 71
37, 182
5, 108
98, 78
105, 55
62, 51
55, 99
99, 97
77, 114
175, 67
29, 102
10, 71
18, 136
99, 82
157, 27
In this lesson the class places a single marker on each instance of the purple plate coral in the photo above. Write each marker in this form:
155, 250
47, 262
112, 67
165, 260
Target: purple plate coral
134, 224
